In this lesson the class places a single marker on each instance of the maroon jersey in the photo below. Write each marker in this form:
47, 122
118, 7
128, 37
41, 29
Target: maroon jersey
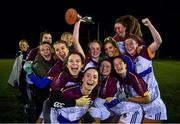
134, 85
108, 87
32, 54
64, 80
56, 69
118, 38
74, 92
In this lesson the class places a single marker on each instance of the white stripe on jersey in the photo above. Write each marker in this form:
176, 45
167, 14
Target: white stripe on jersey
156, 105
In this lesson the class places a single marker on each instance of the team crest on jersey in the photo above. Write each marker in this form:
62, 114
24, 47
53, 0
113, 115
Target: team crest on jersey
70, 84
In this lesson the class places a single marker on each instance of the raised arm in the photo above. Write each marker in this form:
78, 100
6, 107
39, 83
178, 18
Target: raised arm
76, 43
153, 47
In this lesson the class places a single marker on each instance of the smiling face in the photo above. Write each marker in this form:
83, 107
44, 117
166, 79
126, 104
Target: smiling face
119, 66
105, 68
95, 50
110, 50
74, 64
23, 45
90, 80
120, 29
68, 38
61, 51
131, 46
47, 37
45, 51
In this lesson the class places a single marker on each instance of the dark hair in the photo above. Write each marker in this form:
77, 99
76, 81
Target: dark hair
105, 59
61, 41
92, 68
45, 42
113, 58
42, 33
108, 60
66, 60
113, 69
95, 90
138, 39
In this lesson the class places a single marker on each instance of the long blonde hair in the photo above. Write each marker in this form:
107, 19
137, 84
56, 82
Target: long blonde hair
113, 42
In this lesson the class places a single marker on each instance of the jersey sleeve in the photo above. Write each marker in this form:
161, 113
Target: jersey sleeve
139, 85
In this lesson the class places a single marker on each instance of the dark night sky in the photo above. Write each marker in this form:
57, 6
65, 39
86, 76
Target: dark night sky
26, 19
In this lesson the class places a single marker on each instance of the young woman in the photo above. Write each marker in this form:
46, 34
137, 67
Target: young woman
14, 78
44, 36
87, 88
108, 87
155, 111
128, 106
68, 38
62, 50
111, 50
124, 26
71, 76
94, 54
42, 63
17, 77
61, 53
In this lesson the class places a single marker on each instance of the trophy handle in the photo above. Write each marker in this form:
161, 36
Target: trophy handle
71, 17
